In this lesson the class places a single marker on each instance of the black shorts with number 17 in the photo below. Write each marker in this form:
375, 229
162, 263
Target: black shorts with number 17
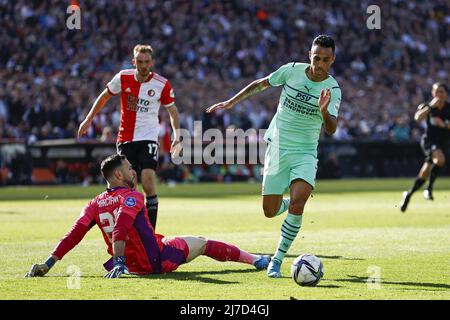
141, 154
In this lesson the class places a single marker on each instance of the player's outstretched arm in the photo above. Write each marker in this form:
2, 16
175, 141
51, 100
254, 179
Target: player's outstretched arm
175, 148
250, 90
96, 107
41, 269
424, 109
67, 243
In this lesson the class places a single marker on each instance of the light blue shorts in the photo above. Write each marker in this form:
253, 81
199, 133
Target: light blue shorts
282, 166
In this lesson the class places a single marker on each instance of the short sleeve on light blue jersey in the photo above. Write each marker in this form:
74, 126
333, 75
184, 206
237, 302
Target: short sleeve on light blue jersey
279, 77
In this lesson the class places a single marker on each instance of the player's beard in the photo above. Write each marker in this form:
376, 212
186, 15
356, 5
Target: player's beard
319, 71
131, 182
144, 73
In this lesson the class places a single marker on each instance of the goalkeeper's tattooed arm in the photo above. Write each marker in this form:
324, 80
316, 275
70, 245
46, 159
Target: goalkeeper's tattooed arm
250, 90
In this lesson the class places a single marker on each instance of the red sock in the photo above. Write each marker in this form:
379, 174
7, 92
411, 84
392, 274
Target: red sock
222, 251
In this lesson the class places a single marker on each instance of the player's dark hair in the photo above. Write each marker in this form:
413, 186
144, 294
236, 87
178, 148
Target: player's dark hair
324, 41
110, 164
440, 84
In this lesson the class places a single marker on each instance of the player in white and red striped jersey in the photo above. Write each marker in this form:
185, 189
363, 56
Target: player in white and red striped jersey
142, 93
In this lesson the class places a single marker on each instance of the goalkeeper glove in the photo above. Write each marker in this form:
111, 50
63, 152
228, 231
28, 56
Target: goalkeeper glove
39, 270
119, 268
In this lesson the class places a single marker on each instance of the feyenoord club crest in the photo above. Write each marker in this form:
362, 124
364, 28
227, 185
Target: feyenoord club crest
151, 92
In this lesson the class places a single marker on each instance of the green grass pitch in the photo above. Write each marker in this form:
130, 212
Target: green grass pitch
353, 226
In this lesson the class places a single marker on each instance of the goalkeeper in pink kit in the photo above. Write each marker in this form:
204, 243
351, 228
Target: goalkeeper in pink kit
121, 215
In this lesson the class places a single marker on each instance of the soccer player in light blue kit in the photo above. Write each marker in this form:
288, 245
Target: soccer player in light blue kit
310, 98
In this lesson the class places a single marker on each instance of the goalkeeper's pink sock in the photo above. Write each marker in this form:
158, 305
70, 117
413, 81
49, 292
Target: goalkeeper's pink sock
227, 252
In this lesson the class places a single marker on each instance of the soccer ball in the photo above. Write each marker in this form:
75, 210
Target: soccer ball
307, 270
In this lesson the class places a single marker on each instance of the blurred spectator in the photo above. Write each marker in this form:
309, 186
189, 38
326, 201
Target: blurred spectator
107, 135
330, 169
210, 49
401, 129
61, 172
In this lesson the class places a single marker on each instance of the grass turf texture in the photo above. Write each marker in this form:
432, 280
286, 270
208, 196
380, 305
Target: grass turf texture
354, 226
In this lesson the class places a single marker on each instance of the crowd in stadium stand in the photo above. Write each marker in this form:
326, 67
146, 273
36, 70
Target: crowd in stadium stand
209, 50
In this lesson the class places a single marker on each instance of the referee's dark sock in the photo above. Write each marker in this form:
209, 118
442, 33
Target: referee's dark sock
152, 208
433, 175
418, 183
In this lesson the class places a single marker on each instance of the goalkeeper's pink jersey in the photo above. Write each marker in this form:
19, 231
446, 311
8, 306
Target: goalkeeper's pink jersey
121, 214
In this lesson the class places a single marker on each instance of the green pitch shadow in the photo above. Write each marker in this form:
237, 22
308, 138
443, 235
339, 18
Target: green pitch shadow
177, 275
200, 275
2, 212
338, 257
438, 286
318, 256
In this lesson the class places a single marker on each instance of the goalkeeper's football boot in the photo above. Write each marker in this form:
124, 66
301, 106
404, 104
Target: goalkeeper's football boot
405, 201
262, 262
428, 194
273, 270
